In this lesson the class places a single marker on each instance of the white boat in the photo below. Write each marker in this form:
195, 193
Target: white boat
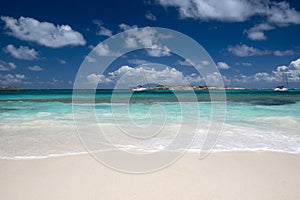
139, 88
280, 89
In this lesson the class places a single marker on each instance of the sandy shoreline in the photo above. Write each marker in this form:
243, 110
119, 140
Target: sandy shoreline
222, 175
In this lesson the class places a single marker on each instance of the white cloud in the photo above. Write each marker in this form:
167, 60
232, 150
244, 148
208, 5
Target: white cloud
43, 33
272, 13
150, 16
137, 61
223, 65
9, 79
54, 80
126, 77
131, 42
281, 13
186, 62
257, 32
35, 68
229, 10
235, 10
148, 38
243, 50
22, 52
215, 78
295, 64
247, 64
283, 53
104, 50
90, 59
4, 66
102, 30
263, 76
126, 27
212, 79
97, 79
61, 61
292, 71
158, 51
205, 62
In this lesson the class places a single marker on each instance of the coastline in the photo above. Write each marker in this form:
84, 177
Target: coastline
221, 175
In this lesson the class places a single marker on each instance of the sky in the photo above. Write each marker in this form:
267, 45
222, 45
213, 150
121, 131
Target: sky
253, 43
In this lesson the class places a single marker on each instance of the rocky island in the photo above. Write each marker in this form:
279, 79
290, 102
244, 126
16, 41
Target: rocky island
192, 87
10, 87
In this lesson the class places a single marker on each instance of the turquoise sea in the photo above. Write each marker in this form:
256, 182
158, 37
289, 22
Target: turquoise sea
40, 123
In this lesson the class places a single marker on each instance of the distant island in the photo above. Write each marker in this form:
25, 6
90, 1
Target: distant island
192, 87
10, 87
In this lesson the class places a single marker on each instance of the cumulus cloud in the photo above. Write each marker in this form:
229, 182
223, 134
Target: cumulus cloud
223, 65
43, 33
273, 13
150, 16
102, 30
104, 50
257, 32
243, 50
97, 79
126, 77
235, 10
284, 53
186, 62
137, 61
292, 72
35, 68
295, 65
263, 76
9, 79
230, 10
90, 59
126, 27
281, 13
4, 66
148, 38
22, 52
189, 63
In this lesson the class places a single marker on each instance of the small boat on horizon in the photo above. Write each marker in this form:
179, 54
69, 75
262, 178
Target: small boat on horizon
139, 88
281, 89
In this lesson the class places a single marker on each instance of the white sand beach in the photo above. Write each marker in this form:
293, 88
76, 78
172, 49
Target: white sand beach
222, 175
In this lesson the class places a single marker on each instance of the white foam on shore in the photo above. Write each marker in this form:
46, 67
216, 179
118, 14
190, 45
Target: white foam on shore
197, 151
42, 157
23, 141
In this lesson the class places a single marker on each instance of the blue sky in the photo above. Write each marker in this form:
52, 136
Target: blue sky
254, 43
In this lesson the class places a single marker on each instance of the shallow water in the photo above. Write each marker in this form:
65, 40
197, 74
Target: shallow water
37, 123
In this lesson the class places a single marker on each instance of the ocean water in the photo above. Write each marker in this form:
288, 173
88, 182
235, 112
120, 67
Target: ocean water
45, 123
